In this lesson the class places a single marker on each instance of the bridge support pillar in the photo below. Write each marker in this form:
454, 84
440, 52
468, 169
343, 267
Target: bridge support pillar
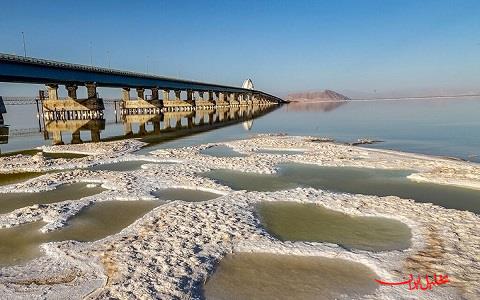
222, 99
72, 91
177, 95
140, 94
52, 91
140, 106
91, 90
125, 94
166, 95
73, 108
233, 99
154, 93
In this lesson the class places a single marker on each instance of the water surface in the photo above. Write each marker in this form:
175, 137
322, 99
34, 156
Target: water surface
102, 219
189, 195
448, 127
122, 166
221, 151
74, 191
9, 178
269, 276
22, 243
314, 223
55, 155
352, 180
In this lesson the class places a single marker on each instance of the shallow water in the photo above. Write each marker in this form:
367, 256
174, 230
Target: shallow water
352, 180
122, 166
189, 195
250, 181
314, 223
74, 191
55, 155
279, 152
221, 151
22, 243
10, 178
269, 276
102, 219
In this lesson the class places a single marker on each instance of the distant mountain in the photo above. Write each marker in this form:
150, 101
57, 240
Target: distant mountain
325, 95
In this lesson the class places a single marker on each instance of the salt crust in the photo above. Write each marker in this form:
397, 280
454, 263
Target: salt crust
169, 252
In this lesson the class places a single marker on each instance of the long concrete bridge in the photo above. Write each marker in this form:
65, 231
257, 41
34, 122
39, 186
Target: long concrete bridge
199, 95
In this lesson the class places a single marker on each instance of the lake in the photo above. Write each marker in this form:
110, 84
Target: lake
446, 127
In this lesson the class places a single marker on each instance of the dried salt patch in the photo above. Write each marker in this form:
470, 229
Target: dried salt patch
92, 185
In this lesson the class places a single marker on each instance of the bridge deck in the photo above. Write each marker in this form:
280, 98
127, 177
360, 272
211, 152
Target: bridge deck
39, 71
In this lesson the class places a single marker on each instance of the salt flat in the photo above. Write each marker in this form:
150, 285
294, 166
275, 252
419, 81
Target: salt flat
169, 252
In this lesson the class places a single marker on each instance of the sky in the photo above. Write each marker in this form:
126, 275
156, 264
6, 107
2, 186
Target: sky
383, 46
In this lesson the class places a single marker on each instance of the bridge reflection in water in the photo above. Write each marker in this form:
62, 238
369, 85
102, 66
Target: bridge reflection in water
154, 128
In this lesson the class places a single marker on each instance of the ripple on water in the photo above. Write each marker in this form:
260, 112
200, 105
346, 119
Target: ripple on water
22, 243
189, 195
314, 223
270, 276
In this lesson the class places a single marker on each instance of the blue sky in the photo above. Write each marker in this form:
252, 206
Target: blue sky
284, 46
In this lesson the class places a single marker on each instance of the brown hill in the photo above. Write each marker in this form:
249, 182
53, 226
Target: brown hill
326, 95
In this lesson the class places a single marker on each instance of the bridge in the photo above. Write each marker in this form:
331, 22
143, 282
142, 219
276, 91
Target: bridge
53, 74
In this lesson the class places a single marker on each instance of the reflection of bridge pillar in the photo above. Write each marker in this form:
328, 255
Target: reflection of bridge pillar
76, 139
178, 122
210, 117
52, 91
190, 122
201, 120
71, 91
142, 130
95, 135
156, 126
166, 123
57, 138
127, 128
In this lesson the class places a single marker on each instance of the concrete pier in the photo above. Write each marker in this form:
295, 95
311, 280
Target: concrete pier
72, 108
140, 106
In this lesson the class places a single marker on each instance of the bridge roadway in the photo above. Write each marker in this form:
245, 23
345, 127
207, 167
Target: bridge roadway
39, 71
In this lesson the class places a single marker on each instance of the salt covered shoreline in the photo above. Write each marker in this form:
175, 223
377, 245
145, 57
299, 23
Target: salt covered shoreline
169, 252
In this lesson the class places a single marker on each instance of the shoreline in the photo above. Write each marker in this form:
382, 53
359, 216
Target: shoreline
169, 237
